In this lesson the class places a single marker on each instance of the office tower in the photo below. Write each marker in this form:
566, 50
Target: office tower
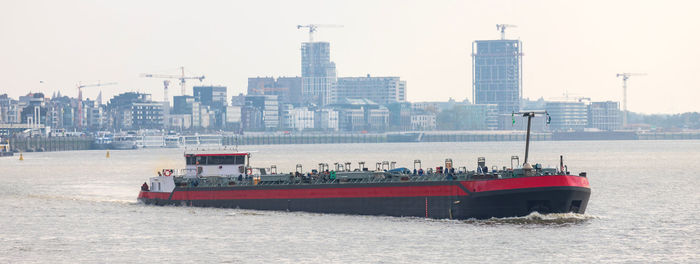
318, 73
497, 73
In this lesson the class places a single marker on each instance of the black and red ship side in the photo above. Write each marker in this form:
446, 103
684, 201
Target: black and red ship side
432, 199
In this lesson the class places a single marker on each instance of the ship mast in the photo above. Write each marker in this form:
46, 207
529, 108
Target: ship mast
530, 115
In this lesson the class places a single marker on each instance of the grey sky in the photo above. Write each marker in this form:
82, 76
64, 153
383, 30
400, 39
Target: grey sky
574, 46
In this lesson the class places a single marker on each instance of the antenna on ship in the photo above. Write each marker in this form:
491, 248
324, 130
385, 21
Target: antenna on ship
530, 115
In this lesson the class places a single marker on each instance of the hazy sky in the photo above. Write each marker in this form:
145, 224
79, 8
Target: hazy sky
570, 46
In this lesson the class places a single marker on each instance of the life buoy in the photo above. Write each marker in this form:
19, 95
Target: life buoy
167, 173
250, 171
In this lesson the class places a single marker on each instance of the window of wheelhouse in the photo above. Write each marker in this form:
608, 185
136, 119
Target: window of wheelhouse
190, 160
216, 160
225, 160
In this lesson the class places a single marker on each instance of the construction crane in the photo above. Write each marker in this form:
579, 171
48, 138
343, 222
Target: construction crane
502, 28
313, 27
180, 77
625, 76
80, 98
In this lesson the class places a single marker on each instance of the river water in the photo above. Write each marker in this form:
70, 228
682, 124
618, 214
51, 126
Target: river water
80, 207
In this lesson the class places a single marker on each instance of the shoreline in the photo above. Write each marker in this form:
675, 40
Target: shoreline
41, 144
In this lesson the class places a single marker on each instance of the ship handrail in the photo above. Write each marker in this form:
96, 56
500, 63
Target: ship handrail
228, 179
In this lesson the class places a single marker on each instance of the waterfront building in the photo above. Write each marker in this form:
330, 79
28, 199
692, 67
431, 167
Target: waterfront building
251, 118
147, 115
465, 116
260, 113
604, 115
326, 120
423, 121
180, 121
214, 99
34, 110
377, 119
9, 110
351, 119
497, 73
567, 115
382, 90
212, 96
361, 115
135, 111
299, 118
182, 104
233, 117
318, 73
287, 89
95, 116
271, 118
400, 116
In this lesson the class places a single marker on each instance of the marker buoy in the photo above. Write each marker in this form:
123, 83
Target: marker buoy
20, 156
108, 154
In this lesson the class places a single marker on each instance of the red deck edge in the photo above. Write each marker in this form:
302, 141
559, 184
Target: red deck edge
526, 182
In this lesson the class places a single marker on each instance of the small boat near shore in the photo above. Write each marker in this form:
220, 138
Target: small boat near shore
124, 141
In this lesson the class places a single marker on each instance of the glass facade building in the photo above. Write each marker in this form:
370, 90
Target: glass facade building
318, 75
497, 73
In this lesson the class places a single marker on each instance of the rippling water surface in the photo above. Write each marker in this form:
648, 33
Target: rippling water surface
77, 207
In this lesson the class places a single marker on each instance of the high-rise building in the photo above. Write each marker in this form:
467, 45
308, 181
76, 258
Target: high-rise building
381, 90
146, 115
260, 113
318, 75
182, 104
497, 73
212, 96
604, 115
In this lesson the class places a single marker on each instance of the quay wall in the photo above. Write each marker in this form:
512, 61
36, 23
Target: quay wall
272, 139
32, 144
668, 135
275, 139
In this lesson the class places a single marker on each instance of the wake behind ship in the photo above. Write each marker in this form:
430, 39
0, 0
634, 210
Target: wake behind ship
225, 179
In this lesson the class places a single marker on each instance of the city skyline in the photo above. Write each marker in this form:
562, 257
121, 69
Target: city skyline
569, 48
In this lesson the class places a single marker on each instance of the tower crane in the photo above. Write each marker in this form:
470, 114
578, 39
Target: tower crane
180, 77
313, 27
625, 76
80, 98
502, 28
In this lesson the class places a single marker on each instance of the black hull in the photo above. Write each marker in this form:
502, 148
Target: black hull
479, 205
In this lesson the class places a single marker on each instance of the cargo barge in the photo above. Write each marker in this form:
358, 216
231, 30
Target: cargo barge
226, 179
